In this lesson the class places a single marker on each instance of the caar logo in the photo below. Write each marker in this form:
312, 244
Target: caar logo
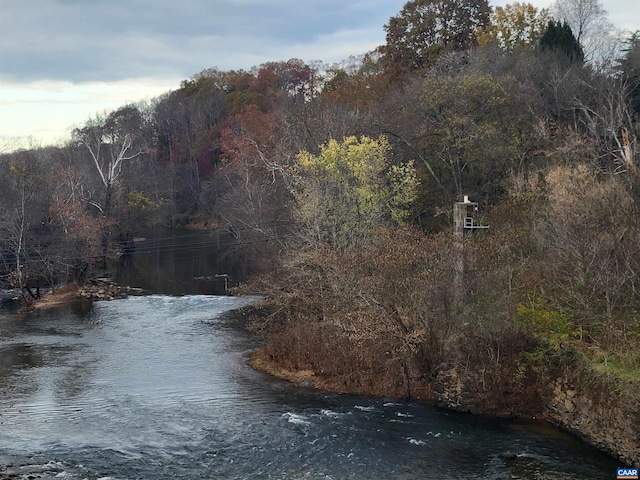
627, 473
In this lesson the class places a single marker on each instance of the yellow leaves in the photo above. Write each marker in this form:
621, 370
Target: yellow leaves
517, 25
362, 157
405, 182
350, 188
305, 160
139, 201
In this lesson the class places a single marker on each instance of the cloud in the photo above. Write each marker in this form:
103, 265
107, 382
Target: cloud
62, 61
113, 40
47, 110
98, 40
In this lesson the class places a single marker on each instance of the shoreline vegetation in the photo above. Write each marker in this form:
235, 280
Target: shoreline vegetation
599, 419
399, 319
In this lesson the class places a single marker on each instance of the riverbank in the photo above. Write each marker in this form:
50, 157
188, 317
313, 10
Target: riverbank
557, 394
560, 397
399, 318
164, 380
608, 426
94, 290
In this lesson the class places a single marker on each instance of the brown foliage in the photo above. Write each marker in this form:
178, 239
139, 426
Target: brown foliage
588, 233
392, 316
251, 187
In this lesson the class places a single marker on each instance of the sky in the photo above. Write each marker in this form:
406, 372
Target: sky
64, 61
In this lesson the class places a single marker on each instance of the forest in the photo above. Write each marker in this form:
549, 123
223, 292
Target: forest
339, 181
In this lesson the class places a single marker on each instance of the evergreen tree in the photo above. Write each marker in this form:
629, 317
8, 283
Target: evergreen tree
559, 38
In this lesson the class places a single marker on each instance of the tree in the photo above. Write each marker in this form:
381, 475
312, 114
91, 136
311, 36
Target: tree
425, 29
629, 68
589, 23
350, 189
516, 25
605, 108
77, 229
356, 82
249, 192
111, 141
587, 229
466, 129
23, 201
180, 119
559, 38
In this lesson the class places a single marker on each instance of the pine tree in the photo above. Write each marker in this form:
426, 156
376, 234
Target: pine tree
559, 38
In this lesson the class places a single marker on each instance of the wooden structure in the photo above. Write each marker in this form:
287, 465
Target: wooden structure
465, 220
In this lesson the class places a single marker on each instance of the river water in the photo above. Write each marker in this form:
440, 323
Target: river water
158, 387
179, 262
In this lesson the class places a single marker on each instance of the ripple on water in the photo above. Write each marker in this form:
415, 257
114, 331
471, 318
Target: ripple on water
158, 387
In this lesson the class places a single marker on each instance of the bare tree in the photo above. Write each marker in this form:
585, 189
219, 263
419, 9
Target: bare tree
111, 142
21, 203
605, 107
590, 24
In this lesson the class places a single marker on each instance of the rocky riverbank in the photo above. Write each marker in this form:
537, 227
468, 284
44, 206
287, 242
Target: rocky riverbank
606, 419
607, 422
94, 290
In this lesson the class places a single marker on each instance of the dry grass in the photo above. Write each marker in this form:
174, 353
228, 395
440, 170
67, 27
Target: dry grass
65, 294
260, 361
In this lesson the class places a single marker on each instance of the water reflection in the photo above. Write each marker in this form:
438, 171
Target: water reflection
180, 262
20, 356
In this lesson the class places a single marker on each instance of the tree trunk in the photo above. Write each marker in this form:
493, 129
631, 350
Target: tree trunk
105, 232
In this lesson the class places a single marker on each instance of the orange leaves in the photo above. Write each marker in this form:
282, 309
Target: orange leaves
517, 25
253, 141
68, 210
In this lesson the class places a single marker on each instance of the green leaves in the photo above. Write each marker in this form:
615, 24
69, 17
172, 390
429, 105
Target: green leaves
425, 29
546, 321
471, 130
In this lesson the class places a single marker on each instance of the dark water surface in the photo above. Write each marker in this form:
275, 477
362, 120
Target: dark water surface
179, 262
158, 387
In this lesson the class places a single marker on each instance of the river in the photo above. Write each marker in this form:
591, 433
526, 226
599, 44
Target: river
158, 387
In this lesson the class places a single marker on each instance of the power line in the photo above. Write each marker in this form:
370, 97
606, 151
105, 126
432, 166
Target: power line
202, 234
154, 246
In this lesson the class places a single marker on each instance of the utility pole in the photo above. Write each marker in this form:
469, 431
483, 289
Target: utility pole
465, 224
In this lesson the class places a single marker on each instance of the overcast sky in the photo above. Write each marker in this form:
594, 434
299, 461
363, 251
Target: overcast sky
62, 61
